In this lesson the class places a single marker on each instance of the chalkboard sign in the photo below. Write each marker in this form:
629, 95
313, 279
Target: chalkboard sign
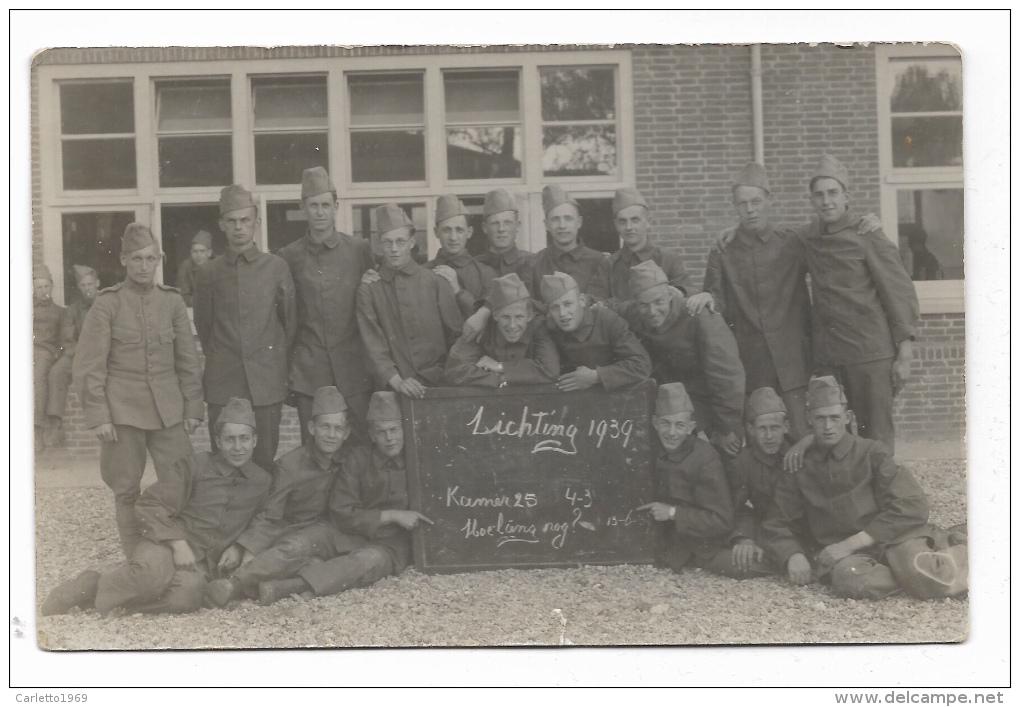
530, 477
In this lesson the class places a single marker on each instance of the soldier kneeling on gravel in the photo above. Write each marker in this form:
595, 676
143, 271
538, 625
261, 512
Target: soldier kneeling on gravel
697, 502
866, 517
369, 501
293, 526
191, 518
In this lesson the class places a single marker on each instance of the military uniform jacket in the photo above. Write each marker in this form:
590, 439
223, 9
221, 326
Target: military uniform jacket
71, 322
246, 318
203, 500
692, 478
864, 301
699, 352
368, 484
186, 280
760, 289
532, 360
136, 361
856, 485
586, 266
475, 278
46, 318
328, 348
603, 343
408, 320
514, 260
623, 260
752, 477
298, 498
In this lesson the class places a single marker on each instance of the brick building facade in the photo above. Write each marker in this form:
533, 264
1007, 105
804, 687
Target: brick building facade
676, 121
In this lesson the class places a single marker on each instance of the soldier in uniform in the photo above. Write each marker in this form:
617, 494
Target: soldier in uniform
140, 377
633, 223
501, 222
568, 254
201, 253
46, 318
469, 278
71, 323
327, 267
246, 318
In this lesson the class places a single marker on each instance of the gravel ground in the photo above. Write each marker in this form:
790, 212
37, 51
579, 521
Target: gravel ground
623, 605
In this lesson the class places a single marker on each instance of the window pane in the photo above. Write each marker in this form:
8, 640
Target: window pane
93, 108
183, 108
931, 232
482, 97
394, 99
483, 153
281, 158
93, 239
927, 142
365, 227
99, 164
922, 85
180, 224
195, 161
282, 103
285, 223
578, 94
388, 156
578, 150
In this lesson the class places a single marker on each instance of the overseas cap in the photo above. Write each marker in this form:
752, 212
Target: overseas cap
823, 392
831, 168
390, 217
752, 175
237, 410
763, 401
672, 399
508, 290
203, 237
644, 276
42, 272
627, 197
136, 237
383, 406
83, 271
234, 198
497, 201
449, 206
328, 400
556, 285
553, 196
315, 181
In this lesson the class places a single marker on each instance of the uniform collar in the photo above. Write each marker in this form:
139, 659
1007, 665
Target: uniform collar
225, 470
132, 286
749, 238
387, 272
249, 255
841, 448
768, 460
320, 459
574, 253
459, 261
681, 452
508, 256
380, 460
640, 255
582, 332
839, 225
331, 241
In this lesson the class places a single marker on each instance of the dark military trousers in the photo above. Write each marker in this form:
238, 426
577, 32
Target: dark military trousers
122, 463
151, 583
869, 394
59, 385
267, 427
42, 362
357, 408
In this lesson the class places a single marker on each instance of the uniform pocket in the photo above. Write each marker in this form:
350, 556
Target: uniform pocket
126, 336
167, 336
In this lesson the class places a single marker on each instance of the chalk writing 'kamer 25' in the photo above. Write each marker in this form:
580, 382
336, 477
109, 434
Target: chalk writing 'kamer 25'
553, 434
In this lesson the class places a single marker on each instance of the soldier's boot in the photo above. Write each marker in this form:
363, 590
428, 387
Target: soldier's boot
275, 590
80, 592
222, 591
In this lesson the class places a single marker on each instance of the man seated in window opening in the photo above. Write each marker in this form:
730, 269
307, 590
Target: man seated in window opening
408, 318
633, 222
514, 349
369, 504
327, 267
293, 525
596, 347
859, 516
752, 477
696, 510
696, 350
501, 223
191, 519
46, 318
246, 317
72, 319
201, 253
469, 278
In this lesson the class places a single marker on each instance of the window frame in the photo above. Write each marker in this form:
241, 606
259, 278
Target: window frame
254, 131
156, 133
935, 296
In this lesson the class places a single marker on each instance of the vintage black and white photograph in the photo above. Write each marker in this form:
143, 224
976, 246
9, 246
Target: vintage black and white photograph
406, 345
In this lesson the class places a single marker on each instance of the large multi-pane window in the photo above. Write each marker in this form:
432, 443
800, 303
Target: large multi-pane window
291, 127
483, 124
387, 123
578, 121
97, 135
193, 128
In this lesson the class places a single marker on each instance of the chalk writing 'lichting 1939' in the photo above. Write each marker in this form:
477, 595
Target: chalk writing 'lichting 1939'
538, 424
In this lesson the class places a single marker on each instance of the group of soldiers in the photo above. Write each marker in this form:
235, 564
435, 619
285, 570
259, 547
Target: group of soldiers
324, 327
